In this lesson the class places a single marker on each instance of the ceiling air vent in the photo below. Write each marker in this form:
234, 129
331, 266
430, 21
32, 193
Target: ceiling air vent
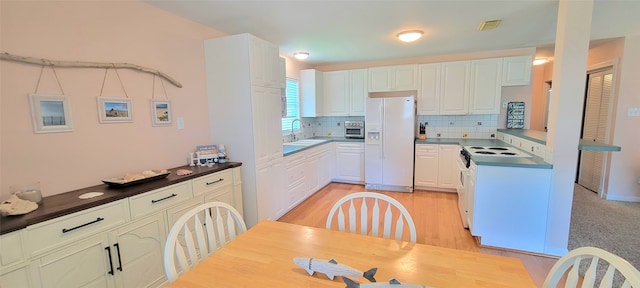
488, 25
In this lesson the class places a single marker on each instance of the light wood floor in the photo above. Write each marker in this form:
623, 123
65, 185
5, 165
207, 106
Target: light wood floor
435, 215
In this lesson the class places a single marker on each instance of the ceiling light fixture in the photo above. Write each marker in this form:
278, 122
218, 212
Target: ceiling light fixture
489, 25
540, 61
301, 55
410, 36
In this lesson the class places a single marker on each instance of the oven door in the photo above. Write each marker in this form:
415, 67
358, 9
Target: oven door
354, 132
461, 188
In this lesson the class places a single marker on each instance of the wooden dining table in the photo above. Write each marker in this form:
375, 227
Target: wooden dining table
263, 257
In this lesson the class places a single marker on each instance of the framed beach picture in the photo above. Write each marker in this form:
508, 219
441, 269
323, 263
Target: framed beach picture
115, 110
161, 113
51, 113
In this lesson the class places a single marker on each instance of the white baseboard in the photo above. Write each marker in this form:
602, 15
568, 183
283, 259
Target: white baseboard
622, 198
555, 251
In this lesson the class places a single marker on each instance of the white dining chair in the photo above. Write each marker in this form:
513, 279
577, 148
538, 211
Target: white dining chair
571, 262
394, 210
221, 223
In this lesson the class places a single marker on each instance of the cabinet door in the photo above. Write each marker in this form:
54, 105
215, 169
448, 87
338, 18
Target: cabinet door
266, 122
311, 171
447, 167
516, 70
15, 278
426, 166
325, 167
429, 92
405, 77
87, 263
272, 66
137, 252
349, 165
282, 72
380, 79
271, 195
485, 86
358, 88
336, 93
258, 61
311, 93
454, 97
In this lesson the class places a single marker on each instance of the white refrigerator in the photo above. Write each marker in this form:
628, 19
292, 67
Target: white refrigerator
389, 143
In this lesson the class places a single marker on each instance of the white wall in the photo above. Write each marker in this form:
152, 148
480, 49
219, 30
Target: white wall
98, 31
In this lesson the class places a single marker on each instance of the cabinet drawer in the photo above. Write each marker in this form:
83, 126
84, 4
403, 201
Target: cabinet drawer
426, 148
295, 173
350, 146
44, 236
15, 254
211, 182
156, 200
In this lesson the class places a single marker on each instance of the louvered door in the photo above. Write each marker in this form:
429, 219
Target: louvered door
595, 127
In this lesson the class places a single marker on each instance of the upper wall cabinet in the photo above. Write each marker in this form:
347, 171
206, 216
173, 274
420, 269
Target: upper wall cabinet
516, 71
358, 88
282, 72
265, 64
393, 78
454, 88
429, 92
485, 89
336, 93
311, 86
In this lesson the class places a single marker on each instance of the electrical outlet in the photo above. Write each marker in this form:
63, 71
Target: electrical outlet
451, 123
633, 112
479, 123
464, 135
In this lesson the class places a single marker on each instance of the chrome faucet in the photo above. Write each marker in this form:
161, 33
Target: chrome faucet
293, 135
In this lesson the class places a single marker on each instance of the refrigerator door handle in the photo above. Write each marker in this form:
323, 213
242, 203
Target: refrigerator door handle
382, 131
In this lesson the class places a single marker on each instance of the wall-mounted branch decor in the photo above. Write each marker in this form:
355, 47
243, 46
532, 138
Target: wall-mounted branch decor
82, 64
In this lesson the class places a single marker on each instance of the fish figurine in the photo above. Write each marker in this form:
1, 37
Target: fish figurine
393, 283
332, 268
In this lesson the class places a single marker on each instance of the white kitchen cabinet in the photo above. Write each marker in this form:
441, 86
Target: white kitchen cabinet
426, 166
435, 167
282, 73
311, 93
485, 86
86, 263
295, 178
264, 64
336, 93
429, 92
358, 88
250, 125
454, 85
393, 78
272, 201
138, 250
516, 70
16, 254
318, 167
349, 162
447, 167
18, 277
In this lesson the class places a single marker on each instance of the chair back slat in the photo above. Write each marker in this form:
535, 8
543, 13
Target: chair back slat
364, 222
607, 279
590, 275
615, 266
375, 218
352, 217
181, 247
211, 238
388, 219
387, 222
341, 220
399, 227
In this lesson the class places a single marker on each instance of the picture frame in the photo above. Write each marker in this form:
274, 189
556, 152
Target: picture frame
115, 110
51, 113
161, 112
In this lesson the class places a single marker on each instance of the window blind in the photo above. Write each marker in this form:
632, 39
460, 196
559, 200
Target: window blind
293, 105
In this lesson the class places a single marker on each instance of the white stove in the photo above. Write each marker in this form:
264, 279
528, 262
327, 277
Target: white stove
495, 151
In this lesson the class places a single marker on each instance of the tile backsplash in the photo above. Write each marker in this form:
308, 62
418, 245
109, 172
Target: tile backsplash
454, 126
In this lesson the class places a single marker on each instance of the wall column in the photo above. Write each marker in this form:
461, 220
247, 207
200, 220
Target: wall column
565, 119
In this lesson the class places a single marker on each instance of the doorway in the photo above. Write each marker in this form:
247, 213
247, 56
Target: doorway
595, 127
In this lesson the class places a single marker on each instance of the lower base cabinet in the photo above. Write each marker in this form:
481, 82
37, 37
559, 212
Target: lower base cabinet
125, 252
349, 163
435, 166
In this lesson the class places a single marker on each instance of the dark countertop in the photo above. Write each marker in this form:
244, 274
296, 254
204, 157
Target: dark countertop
291, 149
525, 162
68, 202
541, 138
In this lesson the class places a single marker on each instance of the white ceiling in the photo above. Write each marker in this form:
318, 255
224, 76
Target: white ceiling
355, 31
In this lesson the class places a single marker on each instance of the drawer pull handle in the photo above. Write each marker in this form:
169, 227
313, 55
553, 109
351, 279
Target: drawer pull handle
110, 262
214, 182
165, 198
65, 230
119, 258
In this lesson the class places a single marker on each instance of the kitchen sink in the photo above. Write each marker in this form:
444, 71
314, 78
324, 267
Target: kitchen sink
305, 142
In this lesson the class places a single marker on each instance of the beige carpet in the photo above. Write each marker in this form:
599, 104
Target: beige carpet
610, 225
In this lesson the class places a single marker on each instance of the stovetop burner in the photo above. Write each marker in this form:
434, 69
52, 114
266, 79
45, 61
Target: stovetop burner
495, 151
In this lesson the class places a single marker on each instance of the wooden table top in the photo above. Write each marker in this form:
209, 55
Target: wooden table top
263, 257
